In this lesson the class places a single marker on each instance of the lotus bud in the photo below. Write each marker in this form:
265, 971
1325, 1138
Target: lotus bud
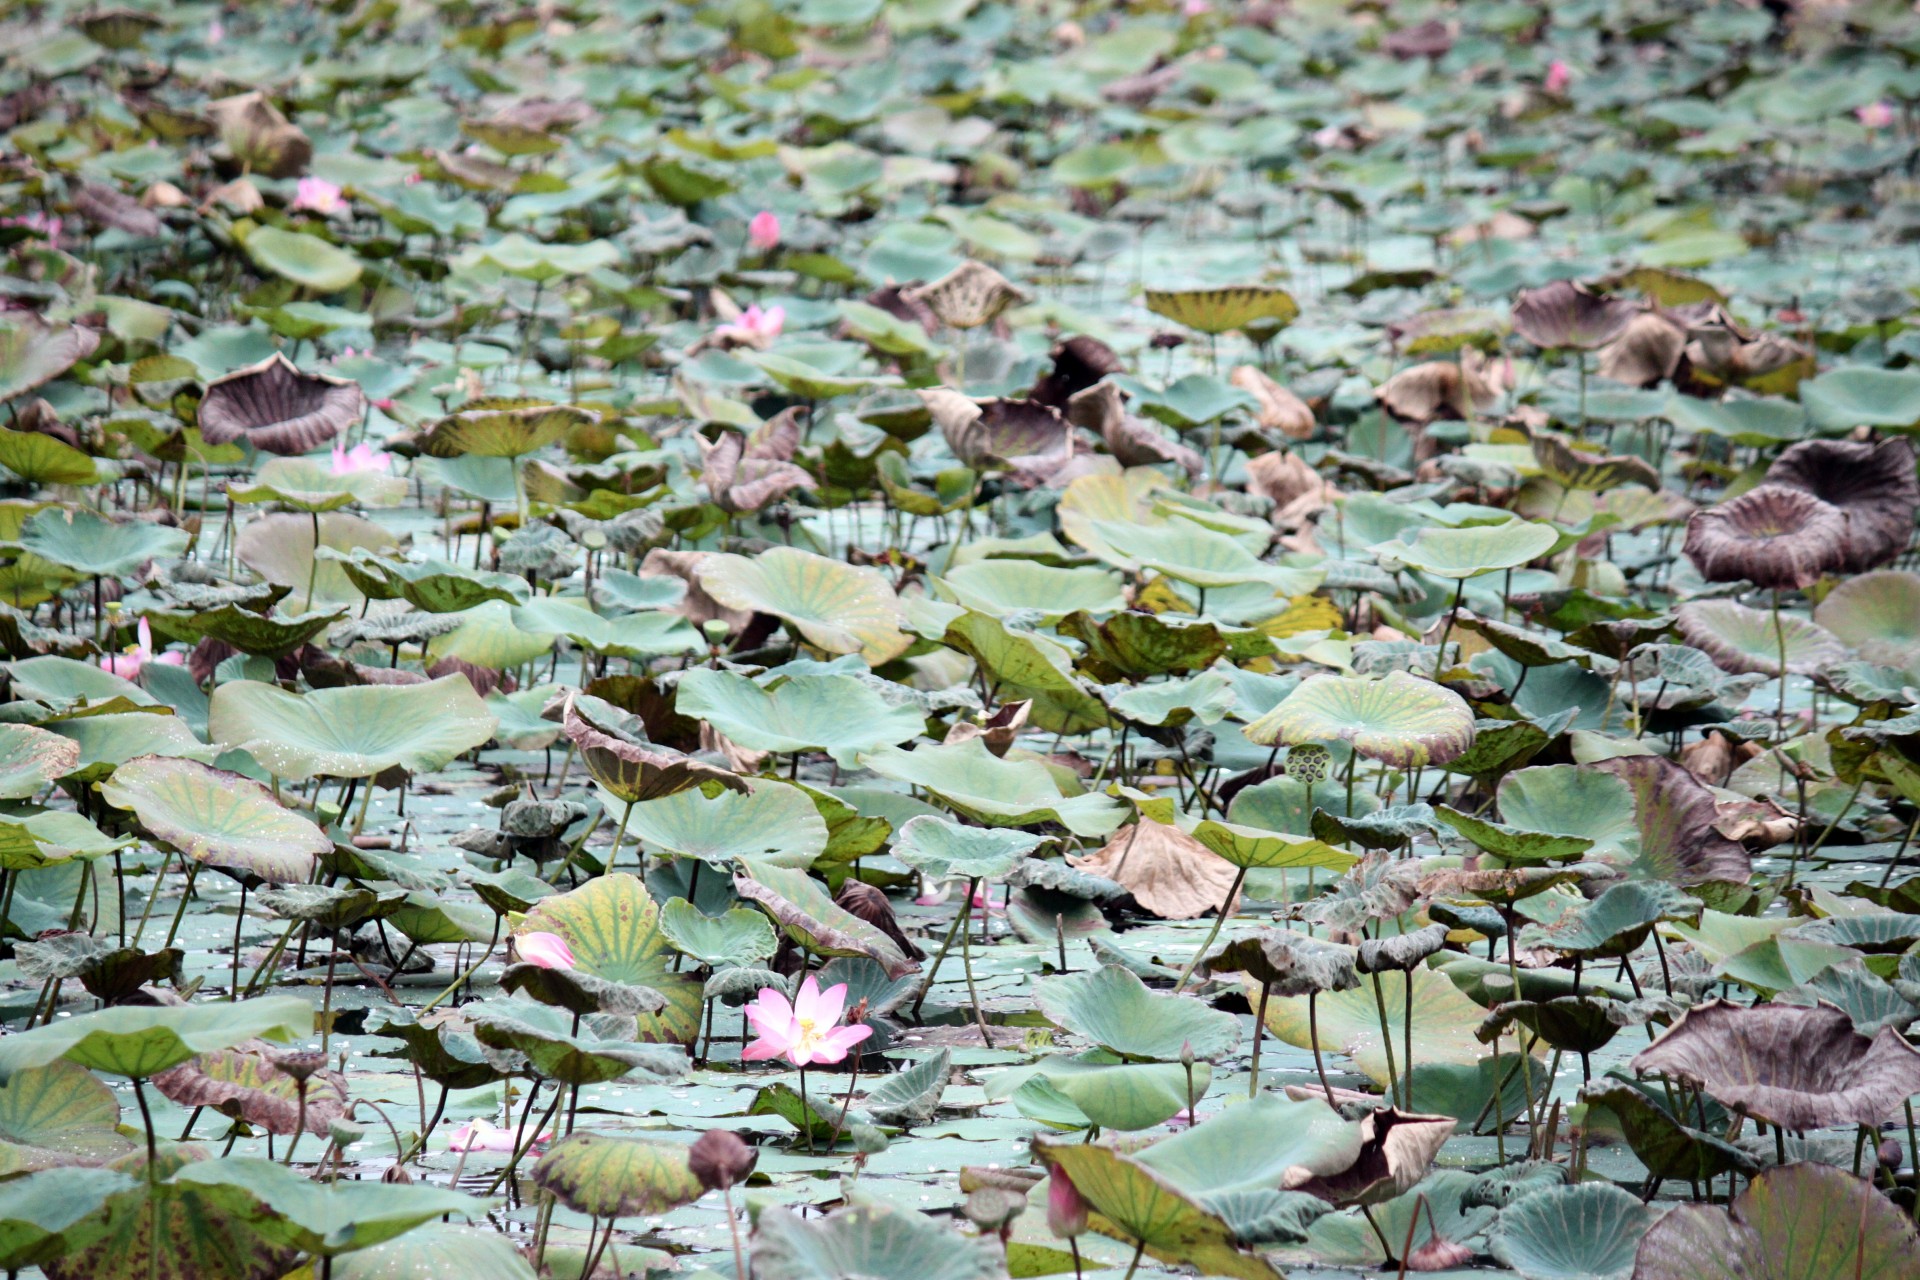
1186, 1054
719, 1159
1891, 1155
1066, 1210
396, 1175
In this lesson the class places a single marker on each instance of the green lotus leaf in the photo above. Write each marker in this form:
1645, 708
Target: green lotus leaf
1218, 310
351, 732
613, 928
108, 741
325, 1219
55, 1213
1271, 1142
610, 1176
1666, 1147
1875, 614
34, 353
502, 428
1145, 644
1617, 922
98, 548
953, 488
940, 849
307, 484
432, 586
836, 714
531, 259
771, 823
801, 908
245, 630
812, 384
44, 459
1862, 396
1349, 1022
1114, 1009
911, 1096
32, 758
488, 637
215, 816
1029, 667
1741, 639
568, 1048
998, 793
1192, 553
735, 937
837, 606
636, 635
435, 1250
59, 1114
1401, 720
1575, 802
280, 548
873, 1242
1094, 1090
54, 835
1797, 1222
1472, 550
143, 1040
1001, 587
304, 259
1513, 844
1133, 1203
62, 683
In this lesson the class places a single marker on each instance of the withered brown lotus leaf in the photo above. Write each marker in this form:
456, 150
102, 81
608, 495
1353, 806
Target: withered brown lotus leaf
858, 898
106, 207
248, 1083
1873, 484
1773, 536
1134, 443
1675, 815
1279, 409
259, 137
1790, 1065
970, 295
1429, 39
1288, 962
696, 606
275, 407
619, 755
1078, 363
1167, 871
1397, 1148
1439, 389
745, 473
1567, 315
1647, 351
900, 302
1018, 435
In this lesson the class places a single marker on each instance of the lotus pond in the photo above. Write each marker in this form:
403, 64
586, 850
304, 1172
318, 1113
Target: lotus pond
939, 640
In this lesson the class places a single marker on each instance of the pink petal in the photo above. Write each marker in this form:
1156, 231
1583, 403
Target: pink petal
772, 1004
844, 1038
762, 1049
832, 1003
806, 1005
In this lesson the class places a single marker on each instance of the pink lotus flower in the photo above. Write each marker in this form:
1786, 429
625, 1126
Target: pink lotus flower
317, 195
1875, 115
1559, 76
804, 1031
483, 1135
755, 327
764, 231
547, 950
1196, 8
127, 664
362, 457
216, 31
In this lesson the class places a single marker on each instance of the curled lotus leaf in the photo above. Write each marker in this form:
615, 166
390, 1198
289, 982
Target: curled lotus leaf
1471, 550
246, 1083
1675, 814
1801, 1068
801, 908
141, 1041
1401, 720
1396, 1150
1288, 963
275, 407
621, 757
1021, 436
569, 1048
1873, 484
1776, 537
34, 353
970, 295
1567, 314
